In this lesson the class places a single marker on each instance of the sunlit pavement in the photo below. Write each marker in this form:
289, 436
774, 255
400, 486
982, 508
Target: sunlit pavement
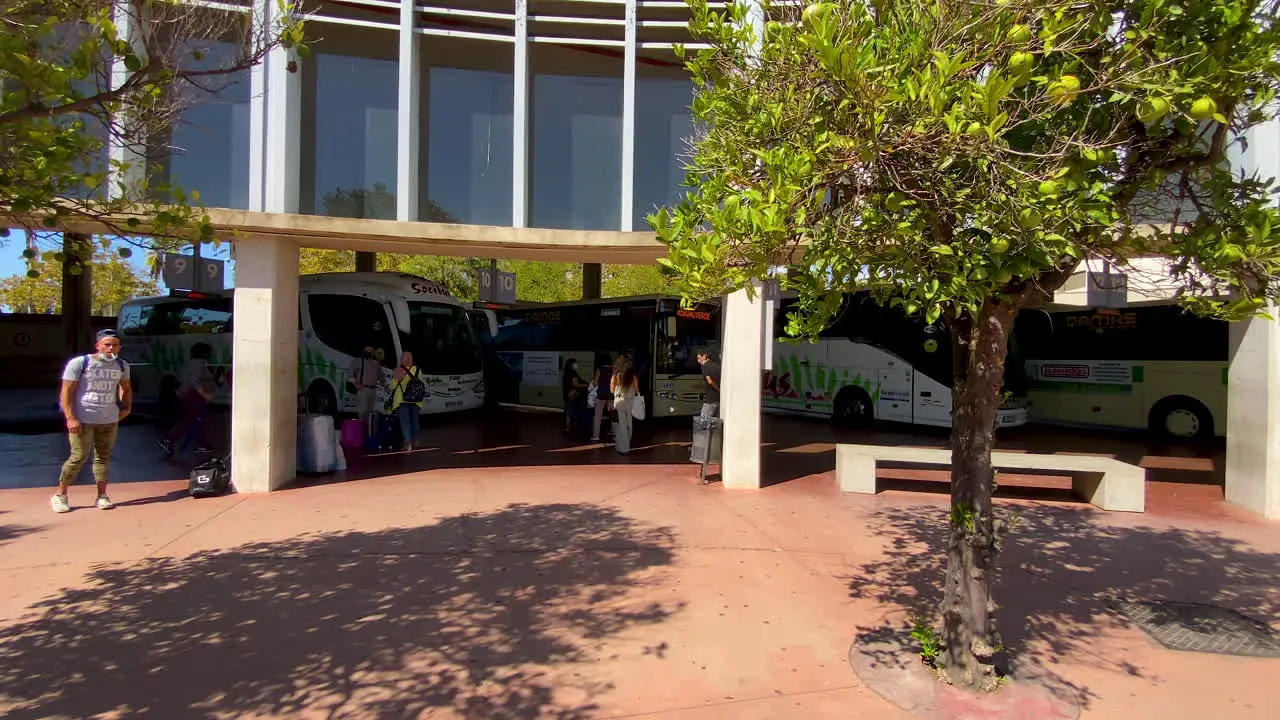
506, 572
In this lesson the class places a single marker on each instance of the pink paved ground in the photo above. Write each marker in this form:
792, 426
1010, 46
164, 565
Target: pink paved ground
573, 591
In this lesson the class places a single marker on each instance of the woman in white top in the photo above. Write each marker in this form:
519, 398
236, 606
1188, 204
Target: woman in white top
625, 386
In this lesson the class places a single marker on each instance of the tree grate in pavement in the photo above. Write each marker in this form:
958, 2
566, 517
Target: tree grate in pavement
1195, 627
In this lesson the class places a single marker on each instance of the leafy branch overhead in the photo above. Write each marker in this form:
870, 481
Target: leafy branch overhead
82, 75
941, 153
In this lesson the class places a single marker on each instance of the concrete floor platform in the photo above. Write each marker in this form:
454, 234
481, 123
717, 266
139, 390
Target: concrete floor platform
569, 590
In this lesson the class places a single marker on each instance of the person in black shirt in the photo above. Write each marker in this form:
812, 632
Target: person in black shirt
711, 375
574, 394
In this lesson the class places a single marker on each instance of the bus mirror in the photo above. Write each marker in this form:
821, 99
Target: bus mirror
492, 318
670, 326
401, 312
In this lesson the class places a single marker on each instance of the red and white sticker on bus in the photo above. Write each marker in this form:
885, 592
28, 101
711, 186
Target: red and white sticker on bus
1103, 373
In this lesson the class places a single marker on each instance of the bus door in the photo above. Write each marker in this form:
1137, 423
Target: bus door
896, 383
931, 391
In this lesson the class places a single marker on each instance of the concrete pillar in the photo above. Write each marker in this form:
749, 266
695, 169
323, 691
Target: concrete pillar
741, 367
408, 115
77, 292
1253, 417
366, 261
591, 281
264, 365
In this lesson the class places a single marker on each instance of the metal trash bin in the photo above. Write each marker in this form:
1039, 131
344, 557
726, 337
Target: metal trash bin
708, 441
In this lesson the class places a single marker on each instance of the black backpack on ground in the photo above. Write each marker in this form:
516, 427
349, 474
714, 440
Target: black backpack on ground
210, 478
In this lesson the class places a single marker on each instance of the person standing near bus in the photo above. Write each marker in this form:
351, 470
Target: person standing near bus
197, 389
96, 396
711, 376
625, 387
408, 392
365, 375
604, 398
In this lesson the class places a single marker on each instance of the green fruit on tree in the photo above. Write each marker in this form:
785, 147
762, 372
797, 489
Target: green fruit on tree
1021, 63
33, 274
1204, 108
29, 253
1029, 218
57, 257
1020, 34
125, 252
979, 273
1003, 277
998, 245
814, 14
1049, 188
1153, 109
1065, 88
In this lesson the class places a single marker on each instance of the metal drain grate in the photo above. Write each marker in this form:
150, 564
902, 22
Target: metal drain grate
1194, 627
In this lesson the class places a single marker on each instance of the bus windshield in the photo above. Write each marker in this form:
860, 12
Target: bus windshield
441, 339
696, 331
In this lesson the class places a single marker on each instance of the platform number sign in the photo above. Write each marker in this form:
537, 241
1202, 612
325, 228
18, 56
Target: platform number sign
499, 287
184, 272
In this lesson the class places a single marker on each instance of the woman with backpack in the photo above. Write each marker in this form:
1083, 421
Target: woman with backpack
408, 392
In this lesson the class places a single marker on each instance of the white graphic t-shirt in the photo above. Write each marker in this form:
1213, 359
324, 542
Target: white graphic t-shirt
98, 393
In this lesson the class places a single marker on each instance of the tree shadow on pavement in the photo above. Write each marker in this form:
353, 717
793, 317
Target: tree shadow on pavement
12, 532
472, 614
1061, 570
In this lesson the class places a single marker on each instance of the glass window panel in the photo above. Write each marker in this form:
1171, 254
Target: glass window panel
468, 144
663, 125
576, 178
349, 124
208, 147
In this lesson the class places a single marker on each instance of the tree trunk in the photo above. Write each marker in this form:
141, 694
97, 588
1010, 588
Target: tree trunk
969, 633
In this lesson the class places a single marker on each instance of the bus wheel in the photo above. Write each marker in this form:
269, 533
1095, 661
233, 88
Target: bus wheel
852, 407
1180, 418
321, 400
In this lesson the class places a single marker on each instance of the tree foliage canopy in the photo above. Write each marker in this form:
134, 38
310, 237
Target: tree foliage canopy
78, 74
945, 152
113, 281
959, 158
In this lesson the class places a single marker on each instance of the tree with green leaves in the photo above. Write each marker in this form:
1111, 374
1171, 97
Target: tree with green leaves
40, 290
79, 74
957, 159
630, 280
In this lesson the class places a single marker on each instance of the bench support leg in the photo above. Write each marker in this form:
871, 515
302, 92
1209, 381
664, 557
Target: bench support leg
1115, 490
855, 472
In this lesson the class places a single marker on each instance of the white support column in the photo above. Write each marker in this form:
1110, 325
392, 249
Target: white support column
1253, 381
629, 119
264, 365
520, 120
275, 126
128, 166
407, 116
740, 374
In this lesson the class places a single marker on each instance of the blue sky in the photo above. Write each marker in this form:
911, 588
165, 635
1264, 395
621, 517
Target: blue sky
12, 262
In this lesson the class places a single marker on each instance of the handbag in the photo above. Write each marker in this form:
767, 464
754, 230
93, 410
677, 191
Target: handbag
593, 395
637, 407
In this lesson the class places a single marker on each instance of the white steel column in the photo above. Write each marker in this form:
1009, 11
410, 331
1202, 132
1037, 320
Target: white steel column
629, 119
407, 116
520, 120
741, 370
128, 165
274, 123
1253, 381
264, 365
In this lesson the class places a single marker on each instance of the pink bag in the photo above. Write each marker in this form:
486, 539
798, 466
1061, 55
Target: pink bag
352, 433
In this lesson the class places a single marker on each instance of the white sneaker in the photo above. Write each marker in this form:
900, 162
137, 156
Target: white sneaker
60, 504
104, 503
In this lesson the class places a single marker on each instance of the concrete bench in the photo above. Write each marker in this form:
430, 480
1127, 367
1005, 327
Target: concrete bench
1105, 482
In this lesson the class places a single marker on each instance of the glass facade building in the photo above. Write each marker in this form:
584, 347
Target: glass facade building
554, 114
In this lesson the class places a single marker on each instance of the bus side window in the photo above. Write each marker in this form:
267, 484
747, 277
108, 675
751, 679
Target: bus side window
347, 323
131, 320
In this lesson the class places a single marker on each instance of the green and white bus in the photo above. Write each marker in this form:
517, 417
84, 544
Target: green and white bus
534, 341
872, 363
339, 315
1151, 366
